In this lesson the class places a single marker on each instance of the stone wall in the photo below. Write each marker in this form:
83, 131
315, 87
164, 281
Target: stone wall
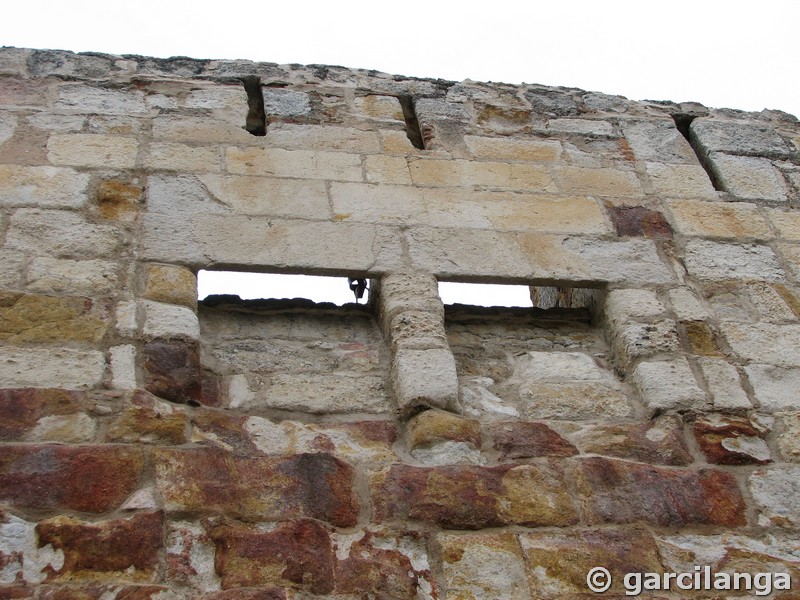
644, 418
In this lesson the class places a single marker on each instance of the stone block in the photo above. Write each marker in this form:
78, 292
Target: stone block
285, 103
740, 138
315, 486
601, 182
24, 561
643, 340
25, 409
122, 361
739, 221
118, 201
614, 491
776, 494
521, 439
700, 338
435, 426
171, 284
589, 127
60, 233
387, 169
715, 260
668, 385
658, 141
100, 100
757, 342
789, 438
638, 221
469, 497
11, 269
148, 420
8, 124
372, 203
552, 103
297, 554
42, 187
395, 142
94, 479
774, 388
433, 109
483, 566
418, 330
682, 181
126, 317
559, 366
51, 367
724, 386
511, 149
726, 440
686, 305
424, 378
92, 150
125, 549
573, 400
172, 156
172, 370
384, 108
169, 321
786, 223
791, 258
59, 275
319, 137
463, 173
659, 441
749, 178
303, 164
623, 306
56, 123
408, 291
188, 129
529, 212
559, 562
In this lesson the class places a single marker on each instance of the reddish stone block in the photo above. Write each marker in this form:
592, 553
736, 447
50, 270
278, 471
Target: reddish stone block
516, 439
210, 481
659, 441
21, 408
246, 594
172, 371
103, 592
639, 221
467, 497
223, 429
81, 478
614, 491
374, 563
148, 420
297, 554
127, 548
731, 441
15, 592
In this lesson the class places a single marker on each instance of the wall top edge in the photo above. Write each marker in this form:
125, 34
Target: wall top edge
100, 68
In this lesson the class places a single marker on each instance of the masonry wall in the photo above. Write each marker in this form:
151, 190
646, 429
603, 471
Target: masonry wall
647, 421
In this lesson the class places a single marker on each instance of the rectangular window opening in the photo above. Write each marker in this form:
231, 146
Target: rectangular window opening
217, 286
256, 122
683, 125
412, 123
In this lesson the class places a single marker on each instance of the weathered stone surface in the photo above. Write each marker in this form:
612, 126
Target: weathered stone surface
342, 139
714, 260
424, 378
408, 291
168, 321
146, 419
681, 181
467, 497
171, 284
789, 438
42, 187
60, 233
208, 482
668, 385
458, 173
686, 305
639, 221
125, 549
520, 439
737, 221
724, 385
417, 330
92, 150
602, 182
11, 267
190, 556
756, 342
558, 563
304, 164
740, 138
82, 478
23, 561
172, 371
659, 441
98, 100
641, 340
749, 178
658, 141
51, 367
614, 491
573, 400
118, 201
34, 318
701, 338
57, 275
787, 224
171, 156
731, 440
386, 169
483, 566
774, 388
122, 364
622, 306
776, 492
24, 408
435, 426
503, 148
297, 554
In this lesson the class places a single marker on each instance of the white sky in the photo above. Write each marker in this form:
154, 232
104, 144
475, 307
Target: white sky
722, 53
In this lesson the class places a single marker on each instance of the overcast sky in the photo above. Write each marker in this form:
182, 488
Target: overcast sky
722, 53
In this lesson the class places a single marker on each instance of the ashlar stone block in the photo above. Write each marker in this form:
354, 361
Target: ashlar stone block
424, 378
668, 385
750, 178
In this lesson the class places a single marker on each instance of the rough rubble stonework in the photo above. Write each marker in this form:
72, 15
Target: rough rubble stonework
643, 417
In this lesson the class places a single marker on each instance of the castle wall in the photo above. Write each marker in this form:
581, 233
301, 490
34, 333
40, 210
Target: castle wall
643, 418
